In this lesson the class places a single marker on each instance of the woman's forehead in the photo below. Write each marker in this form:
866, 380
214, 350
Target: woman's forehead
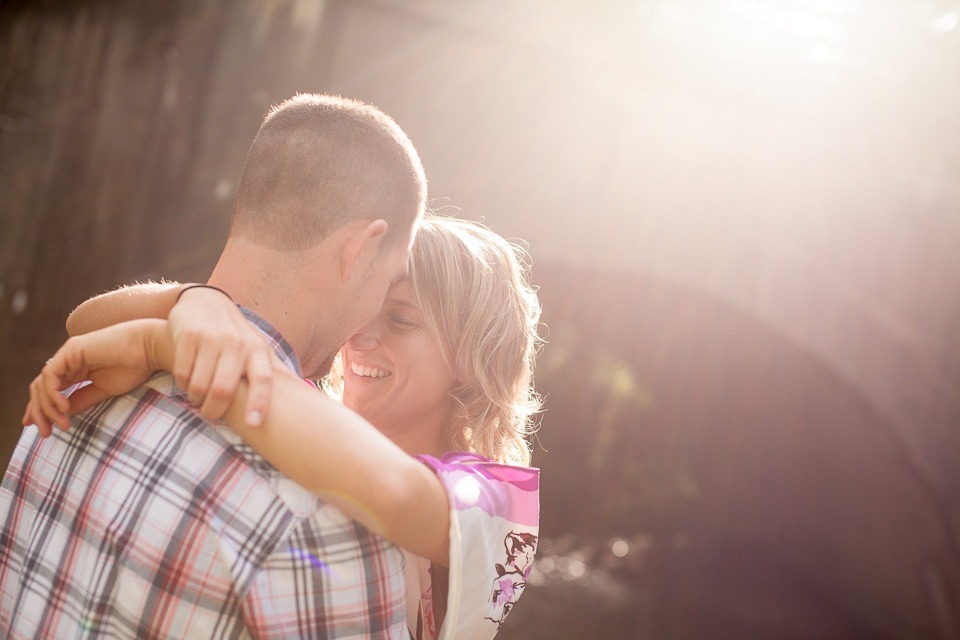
401, 292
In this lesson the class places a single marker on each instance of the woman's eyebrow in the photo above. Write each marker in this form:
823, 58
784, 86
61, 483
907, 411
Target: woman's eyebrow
400, 302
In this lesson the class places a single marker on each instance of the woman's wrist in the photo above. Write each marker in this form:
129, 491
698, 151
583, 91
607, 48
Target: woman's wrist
198, 285
158, 345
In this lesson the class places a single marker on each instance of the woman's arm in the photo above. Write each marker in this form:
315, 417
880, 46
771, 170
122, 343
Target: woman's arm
336, 454
313, 439
130, 302
215, 345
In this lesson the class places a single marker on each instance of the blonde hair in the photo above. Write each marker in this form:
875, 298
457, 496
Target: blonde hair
472, 288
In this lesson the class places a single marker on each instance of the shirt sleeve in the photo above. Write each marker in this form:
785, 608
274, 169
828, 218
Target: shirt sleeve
494, 525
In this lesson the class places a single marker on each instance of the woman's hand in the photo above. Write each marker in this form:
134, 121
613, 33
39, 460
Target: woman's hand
115, 360
216, 347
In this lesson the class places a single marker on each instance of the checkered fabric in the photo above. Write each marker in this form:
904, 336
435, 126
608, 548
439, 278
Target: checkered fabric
145, 521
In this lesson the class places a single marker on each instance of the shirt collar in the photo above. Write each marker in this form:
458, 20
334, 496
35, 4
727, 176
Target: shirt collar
282, 348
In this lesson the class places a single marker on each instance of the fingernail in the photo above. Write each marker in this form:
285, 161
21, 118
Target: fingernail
254, 418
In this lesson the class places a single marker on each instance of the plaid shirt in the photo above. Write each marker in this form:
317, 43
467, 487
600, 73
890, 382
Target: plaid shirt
145, 521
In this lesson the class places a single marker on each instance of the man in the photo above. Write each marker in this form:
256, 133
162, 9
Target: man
144, 520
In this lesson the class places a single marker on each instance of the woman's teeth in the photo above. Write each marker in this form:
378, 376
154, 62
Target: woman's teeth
368, 371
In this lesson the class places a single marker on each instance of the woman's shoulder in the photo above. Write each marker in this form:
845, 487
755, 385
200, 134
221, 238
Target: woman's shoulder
476, 483
475, 463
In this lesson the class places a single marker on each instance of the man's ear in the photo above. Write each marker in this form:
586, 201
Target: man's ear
362, 248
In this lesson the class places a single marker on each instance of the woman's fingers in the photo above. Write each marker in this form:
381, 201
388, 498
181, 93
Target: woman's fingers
210, 367
223, 386
54, 383
47, 407
113, 360
39, 416
234, 364
32, 414
201, 374
52, 403
260, 379
184, 357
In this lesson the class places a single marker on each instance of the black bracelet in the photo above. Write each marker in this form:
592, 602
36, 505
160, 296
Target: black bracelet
205, 286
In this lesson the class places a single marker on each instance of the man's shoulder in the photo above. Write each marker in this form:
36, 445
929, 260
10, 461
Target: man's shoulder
154, 444
136, 481
216, 441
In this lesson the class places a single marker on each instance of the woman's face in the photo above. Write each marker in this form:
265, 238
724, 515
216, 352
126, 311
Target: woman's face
394, 372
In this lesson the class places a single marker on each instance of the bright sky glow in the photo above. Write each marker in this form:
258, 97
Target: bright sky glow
946, 22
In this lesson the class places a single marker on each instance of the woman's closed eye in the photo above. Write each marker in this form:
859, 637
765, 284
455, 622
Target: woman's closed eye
403, 321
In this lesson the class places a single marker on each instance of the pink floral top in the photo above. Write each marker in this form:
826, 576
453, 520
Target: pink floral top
494, 524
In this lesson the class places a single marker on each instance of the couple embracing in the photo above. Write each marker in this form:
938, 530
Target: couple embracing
191, 484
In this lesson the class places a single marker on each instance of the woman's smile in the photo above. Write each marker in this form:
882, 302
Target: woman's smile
367, 371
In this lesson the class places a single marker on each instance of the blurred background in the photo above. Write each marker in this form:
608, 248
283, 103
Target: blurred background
744, 220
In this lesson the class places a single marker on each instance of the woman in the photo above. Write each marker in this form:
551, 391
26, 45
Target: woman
444, 371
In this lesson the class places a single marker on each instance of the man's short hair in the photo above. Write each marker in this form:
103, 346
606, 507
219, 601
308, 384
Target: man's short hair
321, 161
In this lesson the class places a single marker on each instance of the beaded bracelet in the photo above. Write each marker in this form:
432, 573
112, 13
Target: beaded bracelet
204, 286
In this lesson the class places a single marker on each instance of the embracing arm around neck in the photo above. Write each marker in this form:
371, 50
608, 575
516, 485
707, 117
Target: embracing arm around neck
316, 441
215, 345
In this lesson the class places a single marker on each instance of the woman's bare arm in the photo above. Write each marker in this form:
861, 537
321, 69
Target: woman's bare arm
215, 345
130, 302
336, 454
315, 440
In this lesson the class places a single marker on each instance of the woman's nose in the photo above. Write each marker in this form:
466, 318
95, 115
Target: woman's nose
366, 338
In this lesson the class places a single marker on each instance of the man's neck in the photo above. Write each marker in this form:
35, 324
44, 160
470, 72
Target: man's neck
272, 284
